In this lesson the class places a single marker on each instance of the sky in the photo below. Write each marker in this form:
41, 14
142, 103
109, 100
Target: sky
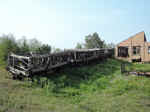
63, 23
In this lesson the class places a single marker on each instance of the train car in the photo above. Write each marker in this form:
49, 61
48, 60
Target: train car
26, 65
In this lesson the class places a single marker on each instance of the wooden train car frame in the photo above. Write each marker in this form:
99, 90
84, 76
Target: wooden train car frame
27, 65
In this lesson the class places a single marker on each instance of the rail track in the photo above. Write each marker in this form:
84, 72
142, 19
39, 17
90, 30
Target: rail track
29, 64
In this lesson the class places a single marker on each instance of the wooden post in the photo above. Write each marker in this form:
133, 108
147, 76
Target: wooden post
123, 68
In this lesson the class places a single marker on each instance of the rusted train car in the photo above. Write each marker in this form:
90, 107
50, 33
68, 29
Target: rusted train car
26, 65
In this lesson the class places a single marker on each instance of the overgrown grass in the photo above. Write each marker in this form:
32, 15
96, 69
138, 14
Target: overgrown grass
93, 88
138, 67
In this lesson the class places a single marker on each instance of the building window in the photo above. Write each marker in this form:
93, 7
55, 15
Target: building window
136, 50
123, 52
148, 49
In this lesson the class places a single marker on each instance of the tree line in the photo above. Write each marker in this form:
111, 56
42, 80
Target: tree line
94, 41
8, 44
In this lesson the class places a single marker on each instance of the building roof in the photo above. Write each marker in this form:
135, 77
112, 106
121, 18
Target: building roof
139, 37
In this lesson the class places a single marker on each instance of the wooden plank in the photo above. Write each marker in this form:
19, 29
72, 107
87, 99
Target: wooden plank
19, 57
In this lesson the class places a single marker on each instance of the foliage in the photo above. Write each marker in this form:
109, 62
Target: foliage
23, 45
45, 48
79, 46
9, 44
34, 45
93, 41
109, 45
97, 87
55, 50
137, 67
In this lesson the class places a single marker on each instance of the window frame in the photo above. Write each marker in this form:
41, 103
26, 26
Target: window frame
136, 50
148, 49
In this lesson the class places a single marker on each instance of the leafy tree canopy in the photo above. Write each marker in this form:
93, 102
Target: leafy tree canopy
79, 46
7, 44
93, 41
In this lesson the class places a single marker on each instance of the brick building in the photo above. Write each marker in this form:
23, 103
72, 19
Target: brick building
135, 48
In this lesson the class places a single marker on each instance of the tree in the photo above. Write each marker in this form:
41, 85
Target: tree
78, 46
7, 44
45, 48
55, 50
111, 45
34, 45
23, 45
93, 41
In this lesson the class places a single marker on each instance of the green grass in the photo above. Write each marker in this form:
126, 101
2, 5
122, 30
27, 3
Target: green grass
138, 67
93, 88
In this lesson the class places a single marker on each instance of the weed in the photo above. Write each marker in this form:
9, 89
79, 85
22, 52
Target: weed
91, 88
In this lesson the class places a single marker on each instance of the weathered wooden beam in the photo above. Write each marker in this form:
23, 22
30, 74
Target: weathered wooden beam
19, 57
